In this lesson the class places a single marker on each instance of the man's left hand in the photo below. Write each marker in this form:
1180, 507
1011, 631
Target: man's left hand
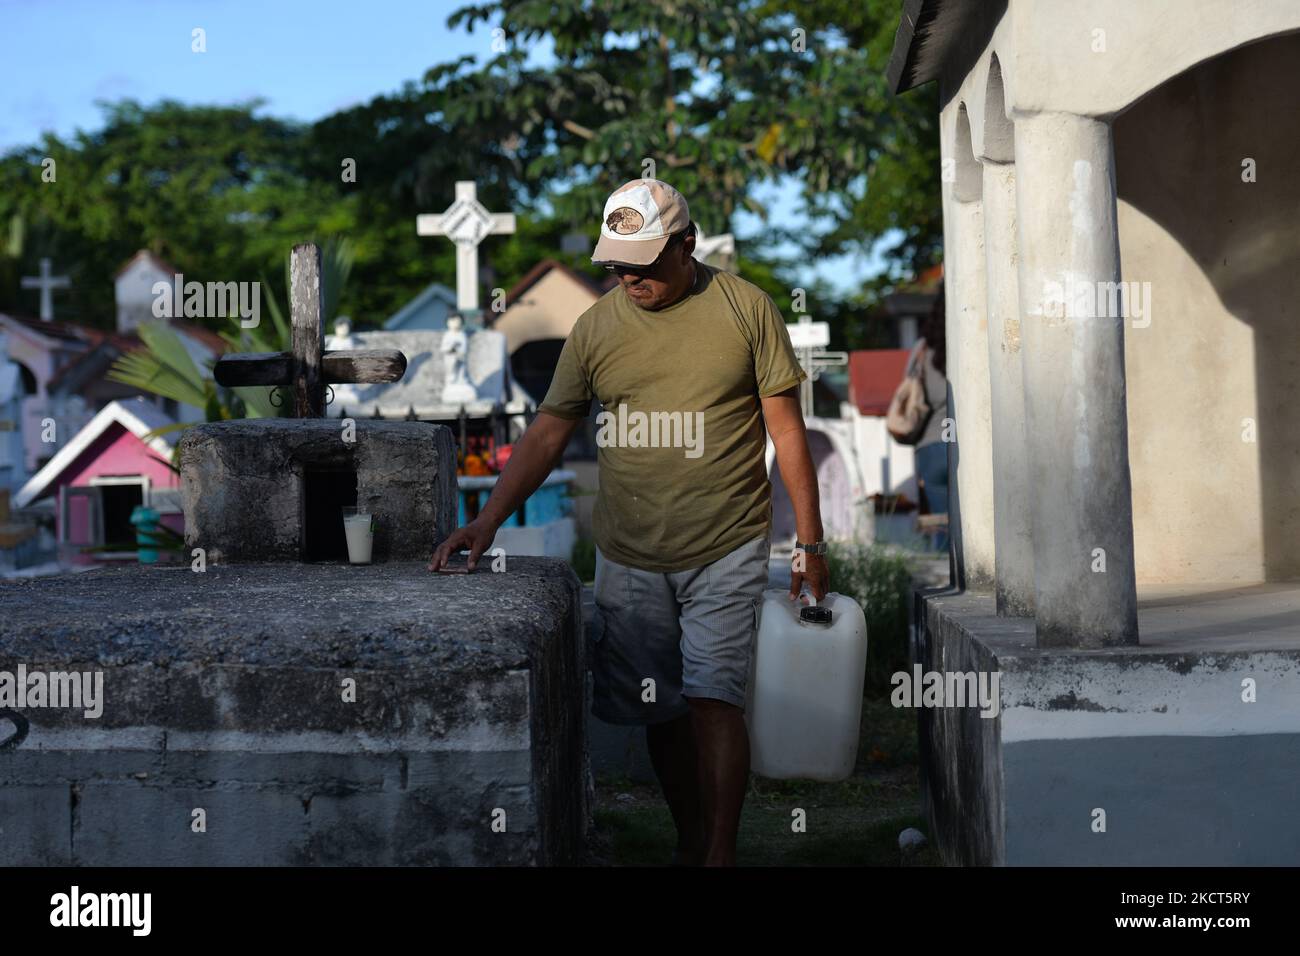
815, 575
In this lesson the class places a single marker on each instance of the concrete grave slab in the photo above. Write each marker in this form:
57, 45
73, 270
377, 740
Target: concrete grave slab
225, 690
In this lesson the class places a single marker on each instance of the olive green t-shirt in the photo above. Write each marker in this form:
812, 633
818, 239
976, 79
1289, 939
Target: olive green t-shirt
680, 438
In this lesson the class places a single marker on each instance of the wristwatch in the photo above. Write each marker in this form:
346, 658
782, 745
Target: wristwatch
817, 547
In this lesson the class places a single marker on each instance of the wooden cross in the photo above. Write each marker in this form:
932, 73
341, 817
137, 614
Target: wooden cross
307, 369
466, 223
47, 284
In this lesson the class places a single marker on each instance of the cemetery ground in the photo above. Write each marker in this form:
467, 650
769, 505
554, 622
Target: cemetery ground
854, 822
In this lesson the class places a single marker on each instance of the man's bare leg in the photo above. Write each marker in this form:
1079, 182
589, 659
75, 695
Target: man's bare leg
722, 745
672, 753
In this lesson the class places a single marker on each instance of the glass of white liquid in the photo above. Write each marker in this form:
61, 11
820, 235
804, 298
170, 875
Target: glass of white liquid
359, 527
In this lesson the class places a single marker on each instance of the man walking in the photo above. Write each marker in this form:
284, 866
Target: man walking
690, 364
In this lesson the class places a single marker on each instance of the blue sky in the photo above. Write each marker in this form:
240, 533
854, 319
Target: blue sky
305, 59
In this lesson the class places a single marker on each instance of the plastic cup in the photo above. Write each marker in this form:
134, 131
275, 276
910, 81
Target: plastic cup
359, 529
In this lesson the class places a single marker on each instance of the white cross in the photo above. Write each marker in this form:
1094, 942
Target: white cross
807, 337
47, 284
466, 223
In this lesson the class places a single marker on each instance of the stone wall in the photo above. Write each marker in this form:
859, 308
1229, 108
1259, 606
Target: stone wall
961, 768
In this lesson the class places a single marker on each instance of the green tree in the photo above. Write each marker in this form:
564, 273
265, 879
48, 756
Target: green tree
217, 191
722, 95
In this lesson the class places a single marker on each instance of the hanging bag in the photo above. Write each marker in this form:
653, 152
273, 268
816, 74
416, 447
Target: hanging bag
909, 409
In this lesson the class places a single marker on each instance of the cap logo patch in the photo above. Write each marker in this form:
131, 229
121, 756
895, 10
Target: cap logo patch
624, 221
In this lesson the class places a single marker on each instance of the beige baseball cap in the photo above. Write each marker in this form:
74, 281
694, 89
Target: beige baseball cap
640, 217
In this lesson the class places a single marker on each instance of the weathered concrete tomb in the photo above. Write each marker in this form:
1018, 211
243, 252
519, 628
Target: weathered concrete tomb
268, 703
270, 489
316, 714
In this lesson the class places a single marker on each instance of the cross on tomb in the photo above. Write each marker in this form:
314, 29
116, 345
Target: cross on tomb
47, 283
466, 223
808, 337
308, 368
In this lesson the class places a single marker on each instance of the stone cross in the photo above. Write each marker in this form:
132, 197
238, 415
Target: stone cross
47, 283
808, 337
466, 223
307, 368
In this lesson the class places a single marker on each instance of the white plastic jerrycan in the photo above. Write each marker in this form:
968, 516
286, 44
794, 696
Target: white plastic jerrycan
805, 690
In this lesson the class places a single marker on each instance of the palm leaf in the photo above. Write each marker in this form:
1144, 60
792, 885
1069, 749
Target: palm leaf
165, 430
142, 370
283, 336
159, 431
273, 337
165, 342
337, 257
163, 367
257, 402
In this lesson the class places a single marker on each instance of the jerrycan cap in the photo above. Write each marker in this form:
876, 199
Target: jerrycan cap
813, 614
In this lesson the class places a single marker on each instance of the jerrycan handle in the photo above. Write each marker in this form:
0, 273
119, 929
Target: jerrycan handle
813, 613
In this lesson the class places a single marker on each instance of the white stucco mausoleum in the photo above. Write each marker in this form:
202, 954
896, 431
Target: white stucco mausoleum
1122, 259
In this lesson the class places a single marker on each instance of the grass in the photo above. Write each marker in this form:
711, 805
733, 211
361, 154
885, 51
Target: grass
854, 822
880, 580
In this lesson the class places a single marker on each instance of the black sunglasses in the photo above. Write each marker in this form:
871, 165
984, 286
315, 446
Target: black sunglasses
617, 267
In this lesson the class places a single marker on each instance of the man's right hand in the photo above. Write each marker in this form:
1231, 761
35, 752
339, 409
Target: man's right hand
476, 536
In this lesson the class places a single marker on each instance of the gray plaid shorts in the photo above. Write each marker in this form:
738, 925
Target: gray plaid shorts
690, 632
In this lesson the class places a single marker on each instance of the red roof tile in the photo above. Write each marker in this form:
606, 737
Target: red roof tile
874, 375
58, 330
